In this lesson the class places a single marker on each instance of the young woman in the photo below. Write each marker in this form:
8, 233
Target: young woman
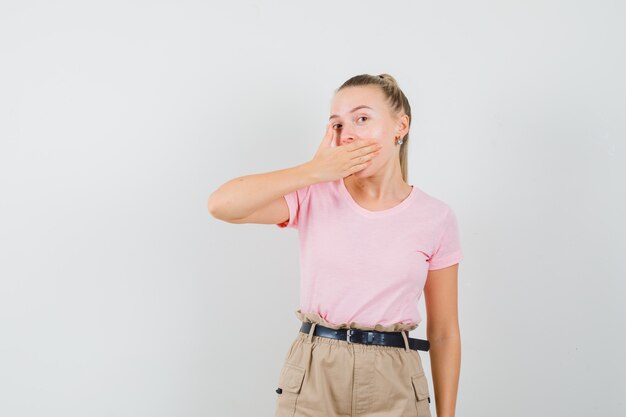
370, 244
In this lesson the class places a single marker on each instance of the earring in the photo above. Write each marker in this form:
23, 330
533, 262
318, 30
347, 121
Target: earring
399, 142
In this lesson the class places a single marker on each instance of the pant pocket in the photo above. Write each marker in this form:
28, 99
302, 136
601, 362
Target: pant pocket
289, 386
422, 396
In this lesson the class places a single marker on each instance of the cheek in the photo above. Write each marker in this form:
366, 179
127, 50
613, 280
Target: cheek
377, 134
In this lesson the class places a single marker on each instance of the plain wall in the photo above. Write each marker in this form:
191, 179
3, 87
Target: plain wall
120, 295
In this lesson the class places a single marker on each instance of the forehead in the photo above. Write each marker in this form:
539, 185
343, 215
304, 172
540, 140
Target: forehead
350, 97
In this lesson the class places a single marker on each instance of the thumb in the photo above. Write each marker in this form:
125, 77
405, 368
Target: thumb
329, 137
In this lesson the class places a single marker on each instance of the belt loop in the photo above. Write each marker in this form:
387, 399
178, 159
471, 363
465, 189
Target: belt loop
406, 341
309, 336
308, 347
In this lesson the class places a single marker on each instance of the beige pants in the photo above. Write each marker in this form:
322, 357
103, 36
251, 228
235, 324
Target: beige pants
323, 377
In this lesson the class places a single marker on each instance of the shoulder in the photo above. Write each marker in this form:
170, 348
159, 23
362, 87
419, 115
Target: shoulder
432, 204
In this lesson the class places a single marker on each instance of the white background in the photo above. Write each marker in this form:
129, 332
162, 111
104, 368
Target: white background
121, 296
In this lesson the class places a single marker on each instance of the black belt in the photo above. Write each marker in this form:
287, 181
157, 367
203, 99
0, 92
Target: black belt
367, 337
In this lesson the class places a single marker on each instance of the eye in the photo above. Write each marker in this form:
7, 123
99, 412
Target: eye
339, 124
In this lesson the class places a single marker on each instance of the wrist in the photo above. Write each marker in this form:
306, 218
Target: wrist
308, 173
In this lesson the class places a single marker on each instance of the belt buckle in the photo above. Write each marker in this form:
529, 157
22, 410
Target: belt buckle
348, 335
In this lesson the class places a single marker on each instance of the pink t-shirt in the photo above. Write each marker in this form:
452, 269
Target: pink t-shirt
364, 266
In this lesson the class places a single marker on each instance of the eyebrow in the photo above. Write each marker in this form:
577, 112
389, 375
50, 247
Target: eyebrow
353, 110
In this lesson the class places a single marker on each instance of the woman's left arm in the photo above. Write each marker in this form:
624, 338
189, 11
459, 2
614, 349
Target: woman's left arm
442, 331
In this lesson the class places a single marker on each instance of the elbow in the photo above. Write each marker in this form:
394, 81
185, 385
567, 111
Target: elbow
214, 208
218, 210
444, 332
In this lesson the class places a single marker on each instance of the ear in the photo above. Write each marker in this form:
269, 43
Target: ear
402, 128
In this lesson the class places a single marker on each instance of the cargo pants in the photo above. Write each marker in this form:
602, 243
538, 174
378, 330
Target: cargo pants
323, 377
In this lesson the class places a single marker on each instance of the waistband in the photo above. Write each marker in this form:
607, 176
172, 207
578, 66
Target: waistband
313, 317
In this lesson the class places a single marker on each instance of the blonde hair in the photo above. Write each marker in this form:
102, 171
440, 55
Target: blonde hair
397, 101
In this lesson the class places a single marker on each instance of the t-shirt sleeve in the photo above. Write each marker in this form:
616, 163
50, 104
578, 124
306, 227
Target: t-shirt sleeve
295, 200
448, 250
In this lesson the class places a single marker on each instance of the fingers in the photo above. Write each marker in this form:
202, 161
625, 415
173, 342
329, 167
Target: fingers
361, 166
361, 143
368, 146
365, 155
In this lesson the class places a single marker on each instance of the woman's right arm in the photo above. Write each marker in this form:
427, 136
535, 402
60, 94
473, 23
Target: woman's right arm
259, 198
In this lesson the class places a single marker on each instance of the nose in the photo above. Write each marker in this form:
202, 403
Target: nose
346, 137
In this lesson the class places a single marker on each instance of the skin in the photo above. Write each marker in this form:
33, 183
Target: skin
380, 186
